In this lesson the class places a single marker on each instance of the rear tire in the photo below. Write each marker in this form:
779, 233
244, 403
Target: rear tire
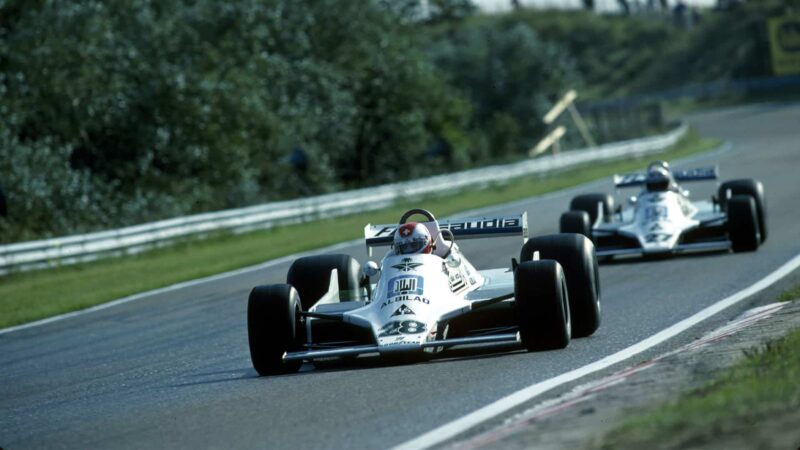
577, 222
311, 276
588, 203
576, 255
750, 187
272, 328
541, 298
743, 223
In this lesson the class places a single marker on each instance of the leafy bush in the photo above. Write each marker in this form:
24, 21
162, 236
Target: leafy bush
511, 77
120, 112
135, 111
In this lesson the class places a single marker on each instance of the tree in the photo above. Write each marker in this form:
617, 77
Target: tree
510, 76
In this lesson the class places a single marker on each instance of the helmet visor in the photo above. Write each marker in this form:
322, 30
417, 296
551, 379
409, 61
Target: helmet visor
411, 246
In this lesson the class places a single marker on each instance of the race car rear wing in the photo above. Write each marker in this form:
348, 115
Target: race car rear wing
469, 228
637, 179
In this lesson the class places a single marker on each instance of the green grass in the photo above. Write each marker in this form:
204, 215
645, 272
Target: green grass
755, 404
790, 294
29, 296
741, 406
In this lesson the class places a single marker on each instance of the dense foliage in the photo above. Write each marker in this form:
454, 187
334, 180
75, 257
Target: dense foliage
624, 55
124, 111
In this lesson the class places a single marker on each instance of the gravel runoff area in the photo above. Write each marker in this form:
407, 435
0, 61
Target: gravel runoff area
580, 418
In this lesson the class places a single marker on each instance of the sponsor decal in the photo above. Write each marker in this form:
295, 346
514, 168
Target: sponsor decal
654, 213
397, 327
631, 178
697, 173
457, 282
407, 265
387, 344
385, 231
406, 285
465, 226
403, 310
405, 298
480, 225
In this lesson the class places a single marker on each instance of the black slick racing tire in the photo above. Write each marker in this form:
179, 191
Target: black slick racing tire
750, 187
272, 328
588, 203
743, 223
577, 222
541, 299
577, 256
311, 277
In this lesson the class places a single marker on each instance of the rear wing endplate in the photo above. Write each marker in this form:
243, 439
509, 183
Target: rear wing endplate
698, 174
469, 228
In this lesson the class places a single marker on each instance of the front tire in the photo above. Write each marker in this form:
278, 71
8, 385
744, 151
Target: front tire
750, 187
541, 299
272, 328
576, 255
588, 203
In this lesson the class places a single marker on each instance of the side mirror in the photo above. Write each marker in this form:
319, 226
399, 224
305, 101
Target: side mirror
370, 269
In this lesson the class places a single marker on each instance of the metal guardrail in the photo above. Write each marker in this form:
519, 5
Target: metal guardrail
87, 247
714, 89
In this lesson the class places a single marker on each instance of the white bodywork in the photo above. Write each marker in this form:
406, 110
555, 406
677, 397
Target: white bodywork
415, 295
659, 221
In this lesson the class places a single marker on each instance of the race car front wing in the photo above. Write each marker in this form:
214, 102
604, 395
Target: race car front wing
309, 355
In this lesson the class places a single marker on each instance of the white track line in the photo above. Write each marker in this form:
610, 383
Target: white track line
450, 430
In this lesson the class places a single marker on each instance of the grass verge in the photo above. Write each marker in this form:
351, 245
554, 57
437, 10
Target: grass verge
29, 296
755, 404
790, 294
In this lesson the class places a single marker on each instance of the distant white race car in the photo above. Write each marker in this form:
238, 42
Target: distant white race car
421, 304
663, 220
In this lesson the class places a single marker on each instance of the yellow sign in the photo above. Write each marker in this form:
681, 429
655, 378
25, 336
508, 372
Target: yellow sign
784, 42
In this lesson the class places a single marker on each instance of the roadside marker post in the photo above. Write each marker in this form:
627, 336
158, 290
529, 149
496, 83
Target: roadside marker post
552, 138
567, 103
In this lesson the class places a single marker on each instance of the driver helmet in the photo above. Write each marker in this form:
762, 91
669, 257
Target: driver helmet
658, 179
412, 237
659, 163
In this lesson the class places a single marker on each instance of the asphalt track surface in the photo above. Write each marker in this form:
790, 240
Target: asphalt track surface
172, 370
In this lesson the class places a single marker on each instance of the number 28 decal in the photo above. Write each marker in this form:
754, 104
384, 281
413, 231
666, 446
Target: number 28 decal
402, 327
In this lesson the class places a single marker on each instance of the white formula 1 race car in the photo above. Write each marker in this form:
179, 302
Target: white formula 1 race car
420, 304
663, 220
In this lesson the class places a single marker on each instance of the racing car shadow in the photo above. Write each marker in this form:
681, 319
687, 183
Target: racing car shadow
361, 363
623, 260
217, 377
